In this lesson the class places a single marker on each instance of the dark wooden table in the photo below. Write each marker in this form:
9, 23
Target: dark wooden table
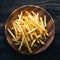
52, 52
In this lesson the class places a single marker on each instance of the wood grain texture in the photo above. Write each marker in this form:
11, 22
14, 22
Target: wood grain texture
53, 7
51, 53
50, 27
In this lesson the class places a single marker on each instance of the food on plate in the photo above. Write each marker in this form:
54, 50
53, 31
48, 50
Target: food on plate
28, 30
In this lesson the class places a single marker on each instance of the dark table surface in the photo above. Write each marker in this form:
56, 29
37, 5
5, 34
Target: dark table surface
52, 52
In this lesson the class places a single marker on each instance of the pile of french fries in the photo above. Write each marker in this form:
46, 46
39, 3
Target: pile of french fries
28, 30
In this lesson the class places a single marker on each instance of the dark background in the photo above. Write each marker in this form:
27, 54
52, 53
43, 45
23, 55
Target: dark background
52, 52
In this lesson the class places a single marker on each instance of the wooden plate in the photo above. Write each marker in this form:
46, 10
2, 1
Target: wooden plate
42, 12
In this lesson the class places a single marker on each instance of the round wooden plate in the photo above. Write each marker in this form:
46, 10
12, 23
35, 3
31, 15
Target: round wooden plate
50, 27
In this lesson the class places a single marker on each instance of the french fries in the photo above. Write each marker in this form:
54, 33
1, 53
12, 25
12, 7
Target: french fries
45, 20
32, 30
28, 30
21, 43
12, 34
33, 42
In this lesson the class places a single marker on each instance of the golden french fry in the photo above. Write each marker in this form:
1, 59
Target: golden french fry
42, 42
17, 44
21, 43
35, 34
16, 41
32, 30
45, 20
44, 36
15, 29
33, 42
33, 13
39, 36
38, 41
19, 16
37, 17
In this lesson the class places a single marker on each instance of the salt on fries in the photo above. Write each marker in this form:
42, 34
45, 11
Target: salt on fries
28, 30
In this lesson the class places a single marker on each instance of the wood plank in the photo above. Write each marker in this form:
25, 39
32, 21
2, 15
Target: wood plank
53, 7
52, 51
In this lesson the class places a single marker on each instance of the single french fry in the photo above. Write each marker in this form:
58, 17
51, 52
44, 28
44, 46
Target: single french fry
15, 29
47, 34
17, 44
45, 20
35, 45
35, 34
33, 13
27, 12
19, 16
32, 30
44, 36
39, 36
38, 41
37, 16
32, 44
21, 43
42, 42
41, 20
